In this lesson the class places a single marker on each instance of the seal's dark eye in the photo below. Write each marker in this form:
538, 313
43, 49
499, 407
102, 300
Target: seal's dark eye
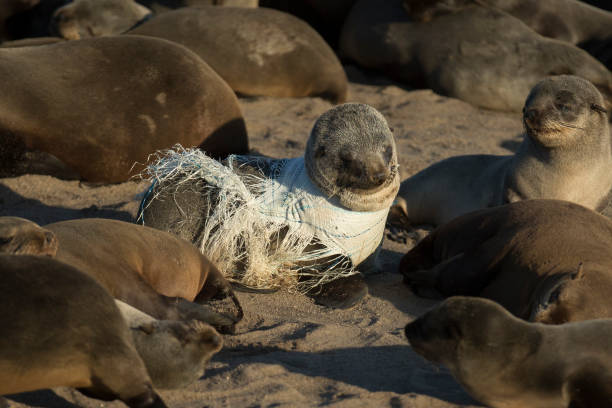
5, 240
320, 152
388, 154
562, 107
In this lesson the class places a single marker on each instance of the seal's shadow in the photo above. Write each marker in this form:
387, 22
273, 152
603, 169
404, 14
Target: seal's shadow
395, 369
41, 398
513, 144
15, 205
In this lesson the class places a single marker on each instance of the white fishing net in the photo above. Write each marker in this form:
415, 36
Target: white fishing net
265, 230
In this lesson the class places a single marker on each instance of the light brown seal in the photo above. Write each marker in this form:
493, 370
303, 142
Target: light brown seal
480, 54
349, 171
258, 51
175, 352
565, 155
96, 107
151, 270
505, 362
23, 237
49, 312
544, 260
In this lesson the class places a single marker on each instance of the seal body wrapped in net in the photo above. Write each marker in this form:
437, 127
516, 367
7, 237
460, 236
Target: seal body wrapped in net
296, 223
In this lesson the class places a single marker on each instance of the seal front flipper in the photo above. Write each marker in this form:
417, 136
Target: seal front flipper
341, 293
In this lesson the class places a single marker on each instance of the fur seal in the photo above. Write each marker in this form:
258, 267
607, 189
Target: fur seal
23, 237
479, 54
566, 20
565, 155
503, 361
346, 180
174, 352
258, 51
49, 311
127, 108
544, 260
149, 269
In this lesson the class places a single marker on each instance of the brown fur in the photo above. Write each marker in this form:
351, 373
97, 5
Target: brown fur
479, 54
566, 154
258, 51
152, 270
505, 362
22, 237
101, 105
544, 260
49, 311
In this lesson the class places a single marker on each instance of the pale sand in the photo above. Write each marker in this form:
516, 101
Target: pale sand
290, 352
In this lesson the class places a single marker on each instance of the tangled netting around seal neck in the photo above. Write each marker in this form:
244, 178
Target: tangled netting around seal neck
266, 228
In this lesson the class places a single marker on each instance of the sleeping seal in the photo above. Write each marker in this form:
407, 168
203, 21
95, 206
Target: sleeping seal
565, 155
94, 108
268, 222
505, 362
547, 261
479, 54
60, 328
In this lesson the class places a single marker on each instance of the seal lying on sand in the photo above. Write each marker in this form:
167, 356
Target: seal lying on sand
565, 155
566, 20
49, 311
544, 260
98, 106
268, 222
256, 51
480, 54
503, 361
149, 269
174, 352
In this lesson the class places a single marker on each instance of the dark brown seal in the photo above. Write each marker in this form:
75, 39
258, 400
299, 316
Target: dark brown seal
505, 362
479, 54
544, 260
96, 107
566, 154
49, 312
571, 21
151, 270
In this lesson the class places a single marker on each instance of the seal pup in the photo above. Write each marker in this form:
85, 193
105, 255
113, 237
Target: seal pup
19, 236
565, 155
174, 352
547, 261
505, 362
321, 215
127, 107
567, 20
257, 51
151, 270
49, 311
479, 54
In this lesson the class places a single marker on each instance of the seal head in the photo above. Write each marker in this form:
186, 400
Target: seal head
563, 111
19, 236
351, 154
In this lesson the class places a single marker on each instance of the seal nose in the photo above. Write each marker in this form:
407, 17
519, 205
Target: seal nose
378, 178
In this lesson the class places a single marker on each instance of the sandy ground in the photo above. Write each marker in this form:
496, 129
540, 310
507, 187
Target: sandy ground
290, 352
